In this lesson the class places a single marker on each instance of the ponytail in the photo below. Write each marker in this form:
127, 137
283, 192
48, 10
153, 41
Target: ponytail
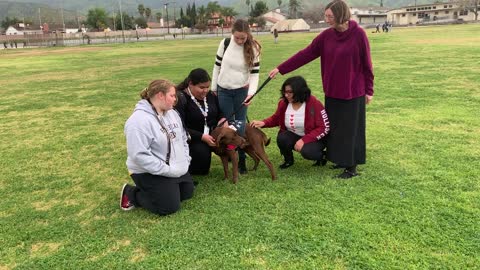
155, 87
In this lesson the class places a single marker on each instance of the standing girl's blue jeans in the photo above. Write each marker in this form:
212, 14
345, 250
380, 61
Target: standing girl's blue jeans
231, 100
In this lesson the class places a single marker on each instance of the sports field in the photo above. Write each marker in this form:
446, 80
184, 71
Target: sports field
416, 204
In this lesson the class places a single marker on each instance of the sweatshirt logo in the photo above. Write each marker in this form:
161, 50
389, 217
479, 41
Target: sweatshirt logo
171, 130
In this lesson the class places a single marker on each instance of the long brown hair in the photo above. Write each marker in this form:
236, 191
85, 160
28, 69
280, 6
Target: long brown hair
155, 87
250, 44
341, 11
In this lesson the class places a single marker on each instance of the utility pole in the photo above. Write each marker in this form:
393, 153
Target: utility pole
63, 20
174, 19
114, 19
40, 19
166, 10
121, 20
78, 21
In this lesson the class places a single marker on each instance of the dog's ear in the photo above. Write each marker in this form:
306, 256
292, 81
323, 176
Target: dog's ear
219, 139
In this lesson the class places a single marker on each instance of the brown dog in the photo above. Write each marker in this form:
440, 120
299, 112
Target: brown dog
225, 139
255, 148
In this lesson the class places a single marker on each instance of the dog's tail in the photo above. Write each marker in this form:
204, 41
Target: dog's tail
267, 142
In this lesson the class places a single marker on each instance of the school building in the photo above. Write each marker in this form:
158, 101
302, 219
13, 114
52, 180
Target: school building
430, 13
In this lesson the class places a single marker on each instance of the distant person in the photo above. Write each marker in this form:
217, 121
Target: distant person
235, 77
378, 28
158, 157
200, 111
5, 45
275, 35
302, 120
347, 77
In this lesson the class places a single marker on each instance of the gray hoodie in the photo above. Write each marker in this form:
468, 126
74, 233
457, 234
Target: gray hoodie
147, 144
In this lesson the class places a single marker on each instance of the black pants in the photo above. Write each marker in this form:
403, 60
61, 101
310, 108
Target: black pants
161, 195
201, 155
286, 141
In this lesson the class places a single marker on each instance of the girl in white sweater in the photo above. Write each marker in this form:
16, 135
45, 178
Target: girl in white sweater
235, 76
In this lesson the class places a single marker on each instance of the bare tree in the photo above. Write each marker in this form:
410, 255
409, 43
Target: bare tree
314, 13
470, 5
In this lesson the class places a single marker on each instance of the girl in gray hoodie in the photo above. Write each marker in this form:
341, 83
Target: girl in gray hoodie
158, 154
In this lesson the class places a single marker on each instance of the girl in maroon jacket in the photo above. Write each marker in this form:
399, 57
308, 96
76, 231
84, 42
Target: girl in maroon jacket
347, 76
302, 120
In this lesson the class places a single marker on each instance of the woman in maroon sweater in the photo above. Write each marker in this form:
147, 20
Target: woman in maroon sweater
302, 120
347, 76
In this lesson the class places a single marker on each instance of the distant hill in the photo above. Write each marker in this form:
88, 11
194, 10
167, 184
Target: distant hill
30, 12
50, 9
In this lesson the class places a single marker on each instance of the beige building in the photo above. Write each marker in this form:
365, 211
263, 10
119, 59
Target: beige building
273, 16
437, 12
369, 15
291, 25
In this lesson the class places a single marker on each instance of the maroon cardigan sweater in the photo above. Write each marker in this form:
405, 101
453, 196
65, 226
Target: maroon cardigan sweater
316, 120
346, 65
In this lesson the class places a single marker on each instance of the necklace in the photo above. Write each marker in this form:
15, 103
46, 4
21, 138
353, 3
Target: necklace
204, 112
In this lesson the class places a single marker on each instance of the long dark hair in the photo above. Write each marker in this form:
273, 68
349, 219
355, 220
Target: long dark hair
301, 92
196, 76
248, 48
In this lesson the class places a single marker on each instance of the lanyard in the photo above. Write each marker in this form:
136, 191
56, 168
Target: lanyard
164, 129
204, 112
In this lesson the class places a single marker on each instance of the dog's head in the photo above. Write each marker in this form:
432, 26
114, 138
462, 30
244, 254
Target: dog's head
226, 136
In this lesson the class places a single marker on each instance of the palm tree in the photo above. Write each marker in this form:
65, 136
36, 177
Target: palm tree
228, 13
294, 6
279, 2
141, 9
148, 13
158, 16
202, 14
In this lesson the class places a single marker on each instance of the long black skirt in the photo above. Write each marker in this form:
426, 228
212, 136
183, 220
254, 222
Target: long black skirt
346, 143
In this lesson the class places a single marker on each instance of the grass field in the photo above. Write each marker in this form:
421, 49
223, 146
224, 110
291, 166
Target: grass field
415, 206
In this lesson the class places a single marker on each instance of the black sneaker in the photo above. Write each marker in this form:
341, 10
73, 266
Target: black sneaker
125, 202
286, 164
346, 174
322, 162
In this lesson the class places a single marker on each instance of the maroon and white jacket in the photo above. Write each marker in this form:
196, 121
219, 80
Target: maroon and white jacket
316, 123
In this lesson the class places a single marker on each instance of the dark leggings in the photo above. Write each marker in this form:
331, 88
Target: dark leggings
161, 195
201, 155
286, 141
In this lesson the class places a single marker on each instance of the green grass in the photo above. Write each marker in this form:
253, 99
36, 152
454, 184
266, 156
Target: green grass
415, 206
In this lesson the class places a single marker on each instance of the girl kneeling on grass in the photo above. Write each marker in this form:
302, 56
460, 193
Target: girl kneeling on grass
302, 120
158, 157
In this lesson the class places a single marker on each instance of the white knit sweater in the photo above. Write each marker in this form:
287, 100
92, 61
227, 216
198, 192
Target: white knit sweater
230, 70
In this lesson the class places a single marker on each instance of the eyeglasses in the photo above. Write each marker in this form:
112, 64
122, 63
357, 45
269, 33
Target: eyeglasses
329, 16
288, 92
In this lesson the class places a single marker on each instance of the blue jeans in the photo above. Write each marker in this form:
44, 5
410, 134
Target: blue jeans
231, 100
